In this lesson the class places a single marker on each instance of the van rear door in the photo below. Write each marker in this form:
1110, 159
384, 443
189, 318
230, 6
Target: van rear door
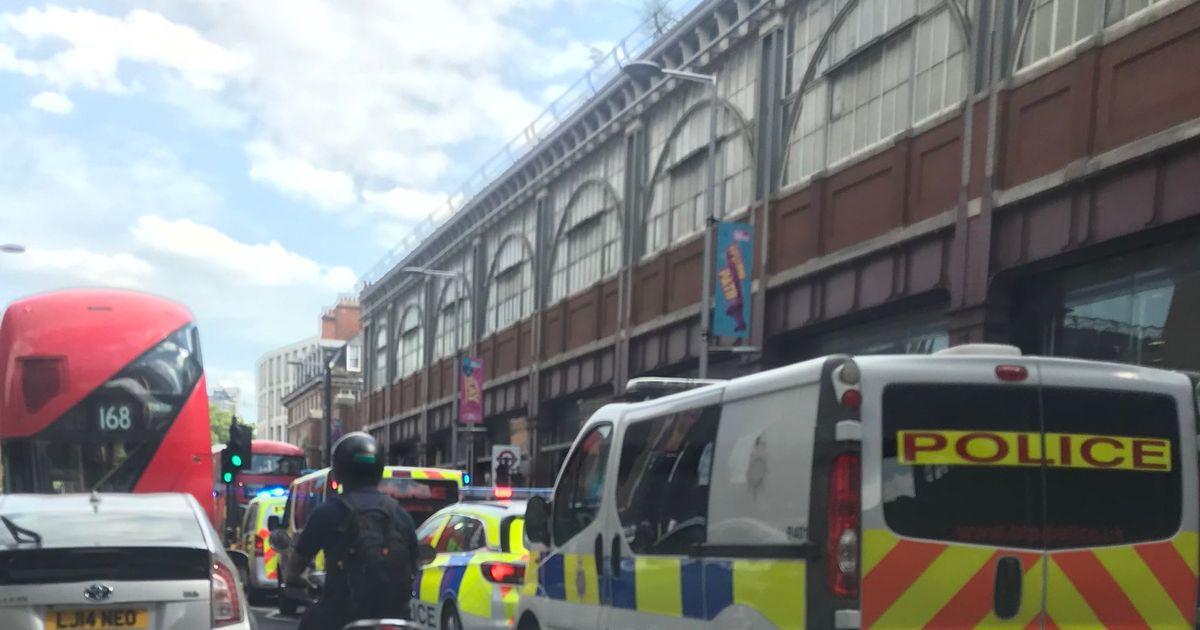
1120, 493
952, 493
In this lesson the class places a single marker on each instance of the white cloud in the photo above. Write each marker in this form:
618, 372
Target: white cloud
263, 264
300, 178
52, 102
405, 204
96, 46
84, 267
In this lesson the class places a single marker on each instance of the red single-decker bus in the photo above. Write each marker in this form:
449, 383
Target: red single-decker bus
103, 390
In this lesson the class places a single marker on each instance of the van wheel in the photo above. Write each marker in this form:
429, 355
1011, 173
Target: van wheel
528, 622
450, 618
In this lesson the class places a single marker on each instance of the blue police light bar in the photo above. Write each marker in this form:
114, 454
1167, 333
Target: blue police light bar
466, 479
277, 491
484, 493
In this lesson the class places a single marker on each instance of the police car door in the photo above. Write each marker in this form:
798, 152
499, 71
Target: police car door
568, 580
951, 493
1120, 496
664, 458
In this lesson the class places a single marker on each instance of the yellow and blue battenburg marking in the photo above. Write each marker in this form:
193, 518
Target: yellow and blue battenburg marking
694, 588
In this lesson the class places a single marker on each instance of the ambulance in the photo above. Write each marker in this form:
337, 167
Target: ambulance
970, 488
263, 514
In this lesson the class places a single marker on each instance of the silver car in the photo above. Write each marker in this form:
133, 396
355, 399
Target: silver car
109, 561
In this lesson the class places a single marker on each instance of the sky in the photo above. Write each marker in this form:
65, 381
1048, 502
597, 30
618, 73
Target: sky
251, 159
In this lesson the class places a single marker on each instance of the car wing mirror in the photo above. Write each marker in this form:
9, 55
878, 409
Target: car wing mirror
537, 521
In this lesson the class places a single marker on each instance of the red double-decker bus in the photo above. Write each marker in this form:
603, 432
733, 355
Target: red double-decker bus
103, 390
273, 466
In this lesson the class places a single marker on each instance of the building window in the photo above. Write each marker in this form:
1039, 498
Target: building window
353, 357
1054, 25
381, 346
677, 207
889, 66
409, 344
589, 245
510, 292
451, 334
1138, 309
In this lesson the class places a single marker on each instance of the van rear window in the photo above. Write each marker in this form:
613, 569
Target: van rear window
973, 463
940, 500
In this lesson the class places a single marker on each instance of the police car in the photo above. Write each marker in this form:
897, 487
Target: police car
473, 580
263, 514
972, 487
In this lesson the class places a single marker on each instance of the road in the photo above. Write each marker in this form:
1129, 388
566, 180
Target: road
268, 618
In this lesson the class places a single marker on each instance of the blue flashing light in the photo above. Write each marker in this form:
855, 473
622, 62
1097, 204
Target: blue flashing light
277, 491
466, 479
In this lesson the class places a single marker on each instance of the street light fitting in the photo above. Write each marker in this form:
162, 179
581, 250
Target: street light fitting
437, 273
644, 70
12, 248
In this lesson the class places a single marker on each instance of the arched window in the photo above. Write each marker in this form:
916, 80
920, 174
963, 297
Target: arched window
1053, 25
409, 343
510, 287
379, 378
452, 334
588, 247
888, 65
677, 205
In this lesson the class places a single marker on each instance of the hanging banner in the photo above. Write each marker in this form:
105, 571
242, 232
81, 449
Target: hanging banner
735, 251
470, 391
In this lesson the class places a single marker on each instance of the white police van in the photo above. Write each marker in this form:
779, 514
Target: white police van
973, 487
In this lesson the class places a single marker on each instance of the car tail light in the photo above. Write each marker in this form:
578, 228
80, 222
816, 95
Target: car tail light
852, 399
503, 572
224, 596
42, 378
258, 545
845, 503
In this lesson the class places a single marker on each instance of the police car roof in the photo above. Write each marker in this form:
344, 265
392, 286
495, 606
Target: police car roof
500, 509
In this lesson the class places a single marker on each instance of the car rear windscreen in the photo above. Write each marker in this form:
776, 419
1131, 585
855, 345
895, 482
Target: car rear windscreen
971, 463
109, 528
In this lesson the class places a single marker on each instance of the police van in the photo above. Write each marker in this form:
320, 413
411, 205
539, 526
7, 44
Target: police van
973, 487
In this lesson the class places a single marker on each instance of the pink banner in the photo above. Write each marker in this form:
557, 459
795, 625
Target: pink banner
470, 388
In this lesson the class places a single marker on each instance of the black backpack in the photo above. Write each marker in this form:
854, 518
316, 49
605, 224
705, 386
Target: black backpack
375, 561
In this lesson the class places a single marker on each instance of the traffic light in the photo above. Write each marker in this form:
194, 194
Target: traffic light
237, 455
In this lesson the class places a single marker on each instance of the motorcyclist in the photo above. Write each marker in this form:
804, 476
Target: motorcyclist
369, 541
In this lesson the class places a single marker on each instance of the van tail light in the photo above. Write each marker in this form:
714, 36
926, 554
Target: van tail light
1011, 372
503, 572
42, 378
845, 503
224, 596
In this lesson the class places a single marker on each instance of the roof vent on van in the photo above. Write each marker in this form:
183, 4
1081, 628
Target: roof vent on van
648, 387
983, 349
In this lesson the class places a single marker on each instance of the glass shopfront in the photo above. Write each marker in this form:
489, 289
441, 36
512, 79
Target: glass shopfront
1138, 308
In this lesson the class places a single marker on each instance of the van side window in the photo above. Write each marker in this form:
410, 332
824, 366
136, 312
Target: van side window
577, 498
663, 481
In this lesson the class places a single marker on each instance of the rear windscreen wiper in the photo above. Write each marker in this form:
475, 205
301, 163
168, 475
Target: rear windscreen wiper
20, 534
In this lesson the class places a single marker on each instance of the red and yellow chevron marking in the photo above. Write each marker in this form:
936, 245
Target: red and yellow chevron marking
422, 473
917, 584
270, 556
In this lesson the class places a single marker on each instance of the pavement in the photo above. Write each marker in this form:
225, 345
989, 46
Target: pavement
268, 618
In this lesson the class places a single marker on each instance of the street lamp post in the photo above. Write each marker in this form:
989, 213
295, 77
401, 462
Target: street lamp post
651, 70
458, 339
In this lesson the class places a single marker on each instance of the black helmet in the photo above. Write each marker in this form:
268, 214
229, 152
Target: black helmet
357, 460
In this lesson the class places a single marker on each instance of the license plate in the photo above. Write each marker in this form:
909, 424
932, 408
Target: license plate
97, 618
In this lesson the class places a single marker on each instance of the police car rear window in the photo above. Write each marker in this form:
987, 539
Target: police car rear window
971, 463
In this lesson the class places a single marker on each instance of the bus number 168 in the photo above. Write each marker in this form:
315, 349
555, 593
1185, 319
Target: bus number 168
115, 418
